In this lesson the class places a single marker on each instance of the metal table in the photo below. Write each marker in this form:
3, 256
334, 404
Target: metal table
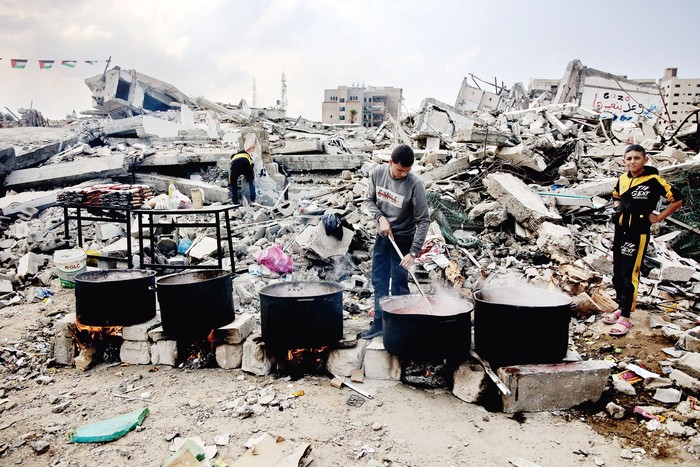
109, 214
145, 218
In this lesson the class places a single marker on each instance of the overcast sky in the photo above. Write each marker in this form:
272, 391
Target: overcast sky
218, 48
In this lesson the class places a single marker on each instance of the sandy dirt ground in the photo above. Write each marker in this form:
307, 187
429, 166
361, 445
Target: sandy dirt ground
402, 426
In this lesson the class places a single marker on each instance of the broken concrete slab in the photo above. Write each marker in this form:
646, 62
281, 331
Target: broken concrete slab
34, 145
68, 173
13, 204
522, 156
160, 183
520, 201
313, 162
188, 155
300, 146
437, 119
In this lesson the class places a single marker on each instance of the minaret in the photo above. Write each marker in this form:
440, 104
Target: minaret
283, 101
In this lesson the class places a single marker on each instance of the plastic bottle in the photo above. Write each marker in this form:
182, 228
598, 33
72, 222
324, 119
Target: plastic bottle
171, 189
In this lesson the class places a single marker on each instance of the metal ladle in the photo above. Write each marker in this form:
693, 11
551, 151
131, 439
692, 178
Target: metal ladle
413, 276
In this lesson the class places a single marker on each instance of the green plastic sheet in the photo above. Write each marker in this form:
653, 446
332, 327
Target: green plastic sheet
108, 430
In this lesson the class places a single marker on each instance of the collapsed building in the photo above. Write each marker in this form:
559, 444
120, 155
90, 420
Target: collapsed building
519, 191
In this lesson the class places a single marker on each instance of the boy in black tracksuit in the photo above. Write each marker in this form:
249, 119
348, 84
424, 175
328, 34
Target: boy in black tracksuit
635, 197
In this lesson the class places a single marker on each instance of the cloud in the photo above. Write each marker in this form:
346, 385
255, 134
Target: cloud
90, 32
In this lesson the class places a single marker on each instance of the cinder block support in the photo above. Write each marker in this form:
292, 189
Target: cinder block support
164, 352
341, 362
380, 364
229, 356
255, 358
469, 381
537, 388
139, 332
135, 352
64, 350
237, 331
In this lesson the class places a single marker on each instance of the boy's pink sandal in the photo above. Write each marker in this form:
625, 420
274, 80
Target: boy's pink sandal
619, 332
612, 317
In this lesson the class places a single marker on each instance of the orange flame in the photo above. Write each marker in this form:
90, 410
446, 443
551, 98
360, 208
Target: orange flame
297, 355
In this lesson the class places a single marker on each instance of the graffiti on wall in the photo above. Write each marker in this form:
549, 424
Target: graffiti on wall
624, 107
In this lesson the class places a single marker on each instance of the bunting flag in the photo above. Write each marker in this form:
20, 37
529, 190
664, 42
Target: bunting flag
18, 63
21, 63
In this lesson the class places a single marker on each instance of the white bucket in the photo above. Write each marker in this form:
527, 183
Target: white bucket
68, 264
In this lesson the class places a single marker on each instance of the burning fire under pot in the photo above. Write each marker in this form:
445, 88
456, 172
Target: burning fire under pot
430, 334
105, 301
301, 322
192, 305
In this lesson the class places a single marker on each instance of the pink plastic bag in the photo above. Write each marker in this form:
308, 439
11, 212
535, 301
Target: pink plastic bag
276, 260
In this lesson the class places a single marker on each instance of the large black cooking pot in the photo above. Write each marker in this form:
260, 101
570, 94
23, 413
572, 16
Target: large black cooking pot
115, 297
520, 324
420, 331
301, 315
194, 303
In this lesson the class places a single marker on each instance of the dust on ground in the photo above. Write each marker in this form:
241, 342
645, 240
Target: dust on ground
401, 426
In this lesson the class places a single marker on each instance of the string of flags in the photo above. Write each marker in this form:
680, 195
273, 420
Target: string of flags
21, 63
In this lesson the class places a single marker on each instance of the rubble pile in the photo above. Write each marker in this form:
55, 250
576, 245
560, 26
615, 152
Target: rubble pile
517, 195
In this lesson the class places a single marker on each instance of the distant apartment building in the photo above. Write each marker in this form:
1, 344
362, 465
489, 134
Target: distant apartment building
367, 106
681, 96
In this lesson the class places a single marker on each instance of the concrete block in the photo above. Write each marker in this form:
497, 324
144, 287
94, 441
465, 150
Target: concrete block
536, 388
522, 156
469, 381
106, 231
64, 350
690, 364
380, 364
342, 362
237, 331
135, 352
675, 272
156, 334
553, 239
65, 327
203, 248
599, 262
255, 359
139, 332
685, 381
689, 340
6, 286
522, 202
243, 293
229, 356
164, 352
28, 265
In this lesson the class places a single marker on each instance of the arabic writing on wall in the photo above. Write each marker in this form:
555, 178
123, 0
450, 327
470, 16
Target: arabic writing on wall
622, 107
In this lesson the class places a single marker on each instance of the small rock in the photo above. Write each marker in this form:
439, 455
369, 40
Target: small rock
623, 386
376, 426
60, 408
40, 446
668, 395
615, 411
